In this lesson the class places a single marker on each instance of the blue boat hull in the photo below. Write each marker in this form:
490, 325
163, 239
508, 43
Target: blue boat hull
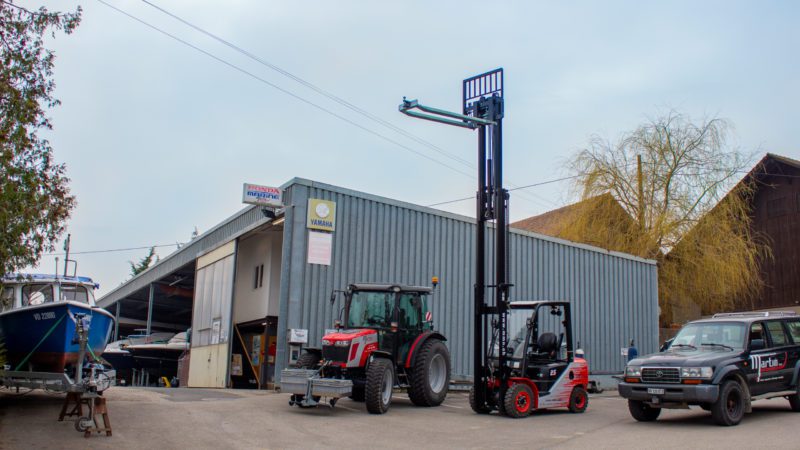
42, 338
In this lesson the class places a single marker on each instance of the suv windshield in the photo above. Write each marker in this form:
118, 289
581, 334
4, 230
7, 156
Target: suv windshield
370, 309
710, 335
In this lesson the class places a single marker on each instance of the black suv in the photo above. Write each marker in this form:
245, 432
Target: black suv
720, 364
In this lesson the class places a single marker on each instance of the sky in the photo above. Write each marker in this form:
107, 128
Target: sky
158, 137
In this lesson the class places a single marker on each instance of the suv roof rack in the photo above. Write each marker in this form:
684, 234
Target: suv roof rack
756, 314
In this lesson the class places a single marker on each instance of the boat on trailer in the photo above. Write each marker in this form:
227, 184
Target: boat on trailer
43, 321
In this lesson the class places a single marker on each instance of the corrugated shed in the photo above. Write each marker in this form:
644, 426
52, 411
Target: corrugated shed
383, 240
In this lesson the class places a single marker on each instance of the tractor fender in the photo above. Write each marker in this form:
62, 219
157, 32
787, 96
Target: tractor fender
419, 342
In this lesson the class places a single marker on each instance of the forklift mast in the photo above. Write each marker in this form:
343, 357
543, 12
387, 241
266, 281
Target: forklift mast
482, 97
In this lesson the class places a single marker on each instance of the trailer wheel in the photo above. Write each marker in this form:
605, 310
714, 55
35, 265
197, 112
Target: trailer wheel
578, 400
430, 376
307, 361
380, 382
643, 412
519, 401
480, 409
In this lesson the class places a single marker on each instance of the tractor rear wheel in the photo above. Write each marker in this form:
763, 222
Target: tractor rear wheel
519, 401
430, 376
380, 382
307, 361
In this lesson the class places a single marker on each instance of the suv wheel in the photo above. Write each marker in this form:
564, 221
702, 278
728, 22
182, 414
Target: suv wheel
728, 410
643, 412
794, 401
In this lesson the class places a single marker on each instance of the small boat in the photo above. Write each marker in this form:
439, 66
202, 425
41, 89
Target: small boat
38, 317
118, 356
167, 352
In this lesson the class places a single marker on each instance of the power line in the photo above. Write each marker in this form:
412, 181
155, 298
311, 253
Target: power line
112, 250
514, 189
325, 93
285, 91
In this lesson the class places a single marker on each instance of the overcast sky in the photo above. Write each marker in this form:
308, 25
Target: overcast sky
158, 137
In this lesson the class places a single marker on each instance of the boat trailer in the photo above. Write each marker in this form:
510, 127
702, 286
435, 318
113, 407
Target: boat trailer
85, 388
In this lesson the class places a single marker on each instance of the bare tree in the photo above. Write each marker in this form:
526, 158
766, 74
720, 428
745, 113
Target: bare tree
673, 177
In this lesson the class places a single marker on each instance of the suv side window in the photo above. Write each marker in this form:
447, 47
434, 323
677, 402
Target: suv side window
757, 336
776, 333
794, 330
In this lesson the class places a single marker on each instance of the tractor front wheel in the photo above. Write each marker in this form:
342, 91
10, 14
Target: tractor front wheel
430, 376
380, 382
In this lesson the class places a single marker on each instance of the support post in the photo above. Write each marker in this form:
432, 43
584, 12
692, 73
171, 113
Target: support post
116, 322
150, 308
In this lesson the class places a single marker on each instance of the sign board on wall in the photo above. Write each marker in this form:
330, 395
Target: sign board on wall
321, 214
320, 247
262, 195
298, 336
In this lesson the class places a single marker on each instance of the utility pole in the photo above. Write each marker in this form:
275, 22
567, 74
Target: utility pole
640, 200
66, 257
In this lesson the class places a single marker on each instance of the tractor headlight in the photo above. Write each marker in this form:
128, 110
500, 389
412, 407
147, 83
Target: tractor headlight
697, 372
327, 342
342, 343
633, 371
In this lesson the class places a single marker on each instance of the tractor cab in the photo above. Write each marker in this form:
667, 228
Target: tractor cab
395, 314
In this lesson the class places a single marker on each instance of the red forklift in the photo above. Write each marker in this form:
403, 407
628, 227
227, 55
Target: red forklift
537, 372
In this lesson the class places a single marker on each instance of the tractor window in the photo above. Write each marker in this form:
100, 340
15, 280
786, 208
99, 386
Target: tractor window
409, 311
370, 309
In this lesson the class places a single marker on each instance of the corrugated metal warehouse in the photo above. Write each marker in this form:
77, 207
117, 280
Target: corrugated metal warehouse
236, 308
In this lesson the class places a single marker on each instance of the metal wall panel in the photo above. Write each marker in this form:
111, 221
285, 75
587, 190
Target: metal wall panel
381, 240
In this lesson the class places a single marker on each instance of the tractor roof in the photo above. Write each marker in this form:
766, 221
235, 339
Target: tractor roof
389, 288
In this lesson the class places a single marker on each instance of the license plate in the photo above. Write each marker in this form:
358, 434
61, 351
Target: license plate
655, 391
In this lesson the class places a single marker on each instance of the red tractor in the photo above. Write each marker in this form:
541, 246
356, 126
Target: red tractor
387, 341
540, 370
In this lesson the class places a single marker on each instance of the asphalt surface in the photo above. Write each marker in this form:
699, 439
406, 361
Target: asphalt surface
199, 418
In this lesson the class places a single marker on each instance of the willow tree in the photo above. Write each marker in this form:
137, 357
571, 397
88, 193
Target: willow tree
676, 180
35, 200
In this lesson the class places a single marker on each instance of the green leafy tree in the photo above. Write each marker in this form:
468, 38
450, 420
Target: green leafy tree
35, 200
143, 263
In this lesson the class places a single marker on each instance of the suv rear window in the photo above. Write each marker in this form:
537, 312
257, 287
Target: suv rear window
777, 334
794, 330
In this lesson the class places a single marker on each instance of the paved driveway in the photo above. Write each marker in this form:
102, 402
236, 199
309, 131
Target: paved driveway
199, 418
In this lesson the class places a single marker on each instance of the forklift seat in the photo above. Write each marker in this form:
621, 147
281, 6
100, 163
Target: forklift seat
548, 345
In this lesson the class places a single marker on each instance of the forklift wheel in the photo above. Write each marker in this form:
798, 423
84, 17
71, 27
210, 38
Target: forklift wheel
519, 401
578, 400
